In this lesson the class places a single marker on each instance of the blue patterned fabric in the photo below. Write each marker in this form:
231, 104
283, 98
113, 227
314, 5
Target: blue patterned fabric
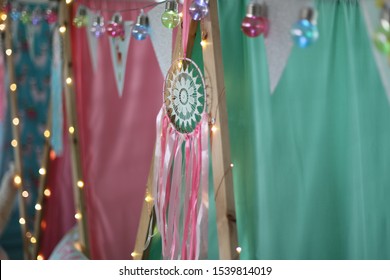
32, 57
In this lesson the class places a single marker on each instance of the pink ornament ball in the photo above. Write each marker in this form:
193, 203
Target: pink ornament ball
253, 26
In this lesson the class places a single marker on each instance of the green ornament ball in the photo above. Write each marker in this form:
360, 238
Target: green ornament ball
170, 19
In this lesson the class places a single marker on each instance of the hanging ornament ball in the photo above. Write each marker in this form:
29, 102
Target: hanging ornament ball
98, 28
304, 33
81, 19
36, 16
141, 28
199, 9
51, 16
255, 22
382, 40
15, 14
170, 18
25, 17
115, 27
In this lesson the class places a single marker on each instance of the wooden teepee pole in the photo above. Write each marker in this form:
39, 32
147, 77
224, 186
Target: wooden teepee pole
220, 146
71, 114
13, 98
44, 169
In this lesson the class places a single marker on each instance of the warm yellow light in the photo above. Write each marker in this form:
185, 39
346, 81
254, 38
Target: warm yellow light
42, 171
8, 52
47, 192
2, 27
71, 129
14, 143
80, 184
15, 121
181, 14
238, 249
40, 257
38, 207
68, 80
17, 180
22, 221
25, 194
68, 1
231, 165
33, 240
78, 216
62, 29
134, 254
214, 128
13, 87
148, 198
180, 64
46, 133
203, 43
3, 16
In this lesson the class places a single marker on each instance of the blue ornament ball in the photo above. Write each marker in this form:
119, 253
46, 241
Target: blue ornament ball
304, 33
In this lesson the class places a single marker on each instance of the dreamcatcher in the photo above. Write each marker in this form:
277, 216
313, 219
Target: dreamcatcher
181, 163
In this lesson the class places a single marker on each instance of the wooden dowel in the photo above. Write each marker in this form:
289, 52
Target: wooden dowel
71, 113
220, 148
42, 186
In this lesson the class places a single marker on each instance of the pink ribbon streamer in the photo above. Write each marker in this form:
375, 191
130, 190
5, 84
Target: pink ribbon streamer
177, 214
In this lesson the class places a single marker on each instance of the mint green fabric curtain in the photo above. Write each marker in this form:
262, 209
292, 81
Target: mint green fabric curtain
311, 162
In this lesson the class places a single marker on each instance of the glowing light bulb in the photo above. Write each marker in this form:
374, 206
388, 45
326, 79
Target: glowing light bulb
148, 198
305, 32
81, 19
46, 133
42, 171
15, 121
255, 22
78, 216
238, 249
71, 129
62, 29
40, 257
80, 184
3, 16
68, 80
231, 165
17, 180
170, 18
214, 129
22, 221
98, 28
199, 9
47, 192
382, 34
203, 43
38, 207
13, 87
25, 194
115, 27
134, 254
68, 1
8, 52
33, 240
14, 143
2, 26
141, 28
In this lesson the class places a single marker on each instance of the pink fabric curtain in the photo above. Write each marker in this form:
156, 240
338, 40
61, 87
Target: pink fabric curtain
117, 134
